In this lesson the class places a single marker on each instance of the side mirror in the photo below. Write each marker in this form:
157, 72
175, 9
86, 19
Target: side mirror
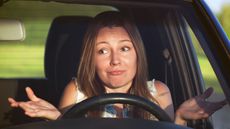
11, 30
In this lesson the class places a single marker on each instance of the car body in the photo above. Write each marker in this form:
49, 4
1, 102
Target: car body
167, 28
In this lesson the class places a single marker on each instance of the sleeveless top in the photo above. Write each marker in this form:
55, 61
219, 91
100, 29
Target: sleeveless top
109, 110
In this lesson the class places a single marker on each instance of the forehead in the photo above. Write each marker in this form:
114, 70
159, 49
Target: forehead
112, 30
112, 33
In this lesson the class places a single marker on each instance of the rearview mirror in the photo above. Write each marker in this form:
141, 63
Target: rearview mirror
11, 30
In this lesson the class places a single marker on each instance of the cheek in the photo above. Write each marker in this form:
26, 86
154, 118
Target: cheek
133, 60
100, 64
134, 65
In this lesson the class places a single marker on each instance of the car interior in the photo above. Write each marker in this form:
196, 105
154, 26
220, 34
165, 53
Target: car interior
63, 48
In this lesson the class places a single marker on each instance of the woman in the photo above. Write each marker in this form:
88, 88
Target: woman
113, 61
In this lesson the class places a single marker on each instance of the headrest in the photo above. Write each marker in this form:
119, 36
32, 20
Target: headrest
63, 48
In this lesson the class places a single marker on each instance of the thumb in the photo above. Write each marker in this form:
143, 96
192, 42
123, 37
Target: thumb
207, 93
31, 94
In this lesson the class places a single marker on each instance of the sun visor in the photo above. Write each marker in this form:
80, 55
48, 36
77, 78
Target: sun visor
11, 30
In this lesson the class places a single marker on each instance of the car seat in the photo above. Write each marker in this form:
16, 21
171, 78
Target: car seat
62, 52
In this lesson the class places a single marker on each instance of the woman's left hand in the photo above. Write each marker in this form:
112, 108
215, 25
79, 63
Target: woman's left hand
198, 108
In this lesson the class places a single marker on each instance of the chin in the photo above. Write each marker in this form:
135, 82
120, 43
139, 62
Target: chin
115, 85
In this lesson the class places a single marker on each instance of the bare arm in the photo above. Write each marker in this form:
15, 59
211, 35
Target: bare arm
164, 98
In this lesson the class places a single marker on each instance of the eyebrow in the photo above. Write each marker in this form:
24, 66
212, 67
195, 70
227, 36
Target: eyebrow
126, 40
104, 42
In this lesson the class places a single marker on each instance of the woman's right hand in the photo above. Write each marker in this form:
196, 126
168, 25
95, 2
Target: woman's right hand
36, 107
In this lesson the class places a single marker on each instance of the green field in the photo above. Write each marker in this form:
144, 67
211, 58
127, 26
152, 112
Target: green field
21, 61
208, 74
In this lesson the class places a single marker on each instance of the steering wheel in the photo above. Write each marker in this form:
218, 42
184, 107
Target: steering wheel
79, 109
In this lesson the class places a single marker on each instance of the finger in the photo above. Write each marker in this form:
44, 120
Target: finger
27, 107
193, 115
222, 103
207, 93
219, 104
31, 94
201, 114
12, 102
214, 106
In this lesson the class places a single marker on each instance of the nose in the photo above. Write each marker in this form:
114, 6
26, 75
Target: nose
115, 58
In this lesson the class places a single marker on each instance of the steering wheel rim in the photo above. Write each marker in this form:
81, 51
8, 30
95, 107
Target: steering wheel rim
81, 108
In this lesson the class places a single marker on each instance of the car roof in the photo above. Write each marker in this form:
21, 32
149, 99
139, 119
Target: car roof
109, 2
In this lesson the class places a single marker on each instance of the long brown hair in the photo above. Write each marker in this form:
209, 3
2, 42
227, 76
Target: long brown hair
87, 79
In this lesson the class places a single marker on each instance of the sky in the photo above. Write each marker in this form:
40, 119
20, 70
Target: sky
216, 5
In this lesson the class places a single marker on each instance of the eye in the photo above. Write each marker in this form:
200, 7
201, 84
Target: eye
103, 51
125, 49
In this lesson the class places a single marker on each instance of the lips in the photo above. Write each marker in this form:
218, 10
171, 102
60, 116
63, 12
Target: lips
116, 72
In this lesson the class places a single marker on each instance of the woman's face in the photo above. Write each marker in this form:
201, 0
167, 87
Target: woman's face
116, 60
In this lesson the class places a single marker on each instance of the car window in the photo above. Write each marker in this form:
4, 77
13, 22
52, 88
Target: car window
25, 59
219, 119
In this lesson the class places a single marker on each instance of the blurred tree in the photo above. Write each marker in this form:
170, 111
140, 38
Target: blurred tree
224, 18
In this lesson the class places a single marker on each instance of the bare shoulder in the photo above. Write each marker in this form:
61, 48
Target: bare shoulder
161, 87
72, 85
69, 95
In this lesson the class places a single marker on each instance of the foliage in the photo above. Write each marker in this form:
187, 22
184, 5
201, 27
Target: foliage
224, 18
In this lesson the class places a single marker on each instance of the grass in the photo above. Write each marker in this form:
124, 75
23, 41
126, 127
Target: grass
21, 61
210, 78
